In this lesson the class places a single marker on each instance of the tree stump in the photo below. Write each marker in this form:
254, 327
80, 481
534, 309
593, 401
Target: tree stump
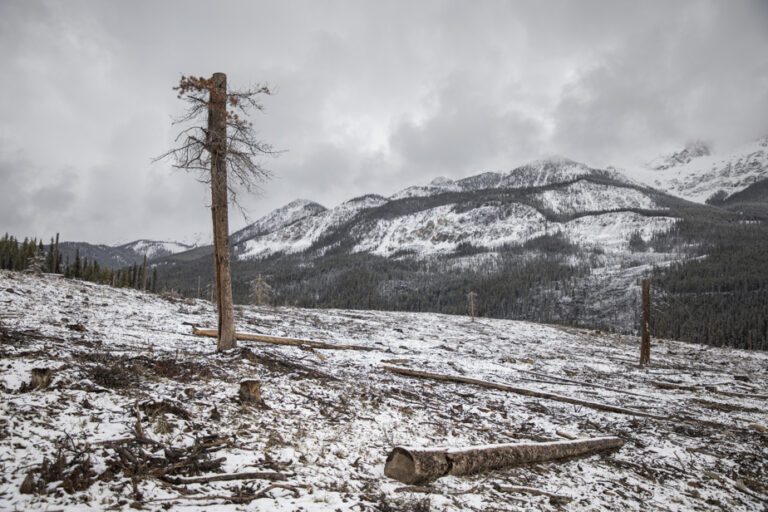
41, 378
250, 393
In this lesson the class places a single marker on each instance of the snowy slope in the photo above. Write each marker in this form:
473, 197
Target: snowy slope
696, 174
277, 219
155, 249
301, 233
442, 229
586, 196
134, 367
535, 174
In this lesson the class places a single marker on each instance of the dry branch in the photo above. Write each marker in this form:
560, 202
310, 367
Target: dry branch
280, 341
255, 475
522, 391
531, 490
420, 465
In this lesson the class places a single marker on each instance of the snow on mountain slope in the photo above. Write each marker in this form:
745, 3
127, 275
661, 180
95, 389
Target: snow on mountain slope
440, 230
154, 249
302, 233
540, 173
277, 219
437, 186
544, 172
480, 181
587, 196
611, 231
696, 174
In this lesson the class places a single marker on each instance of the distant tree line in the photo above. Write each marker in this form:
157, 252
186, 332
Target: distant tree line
31, 255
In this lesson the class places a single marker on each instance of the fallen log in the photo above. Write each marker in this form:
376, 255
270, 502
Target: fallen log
421, 465
211, 333
522, 391
581, 383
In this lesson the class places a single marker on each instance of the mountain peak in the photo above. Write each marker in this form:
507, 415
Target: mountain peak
284, 216
441, 181
692, 150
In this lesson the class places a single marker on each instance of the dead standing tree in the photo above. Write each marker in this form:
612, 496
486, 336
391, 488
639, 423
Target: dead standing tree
645, 344
225, 143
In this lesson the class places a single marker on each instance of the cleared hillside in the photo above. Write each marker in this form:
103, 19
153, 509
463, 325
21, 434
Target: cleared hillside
124, 362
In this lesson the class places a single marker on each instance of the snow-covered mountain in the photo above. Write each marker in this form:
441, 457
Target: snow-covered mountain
278, 219
696, 173
589, 206
155, 249
122, 255
296, 233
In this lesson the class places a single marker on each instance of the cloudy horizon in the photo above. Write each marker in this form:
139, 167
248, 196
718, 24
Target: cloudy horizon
370, 97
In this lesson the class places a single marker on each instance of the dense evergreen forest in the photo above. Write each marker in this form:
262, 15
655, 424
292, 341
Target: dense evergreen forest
720, 295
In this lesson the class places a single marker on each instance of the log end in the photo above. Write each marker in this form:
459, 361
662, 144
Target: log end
400, 466
416, 466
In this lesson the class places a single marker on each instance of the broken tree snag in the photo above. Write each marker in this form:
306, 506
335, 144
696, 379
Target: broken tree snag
250, 392
274, 340
521, 391
417, 465
645, 345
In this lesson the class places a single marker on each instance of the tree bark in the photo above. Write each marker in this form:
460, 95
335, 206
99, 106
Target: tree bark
420, 465
645, 346
217, 133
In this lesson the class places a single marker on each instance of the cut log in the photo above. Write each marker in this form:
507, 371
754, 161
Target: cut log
421, 465
280, 341
521, 391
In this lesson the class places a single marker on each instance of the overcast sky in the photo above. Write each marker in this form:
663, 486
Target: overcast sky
371, 96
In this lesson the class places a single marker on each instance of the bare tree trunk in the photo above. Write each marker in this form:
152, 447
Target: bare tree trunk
198, 287
217, 133
645, 346
258, 292
144, 274
55, 269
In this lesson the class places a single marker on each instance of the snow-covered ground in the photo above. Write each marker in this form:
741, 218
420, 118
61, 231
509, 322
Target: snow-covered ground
124, 362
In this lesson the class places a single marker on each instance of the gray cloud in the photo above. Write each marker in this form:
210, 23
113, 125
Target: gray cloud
371, 96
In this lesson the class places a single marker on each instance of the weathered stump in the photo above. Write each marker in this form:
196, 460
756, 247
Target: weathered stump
41, 378
250, 392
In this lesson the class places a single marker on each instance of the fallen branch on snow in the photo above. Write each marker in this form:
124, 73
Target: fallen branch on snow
522, 391
255, 475
280, 341
419, 465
